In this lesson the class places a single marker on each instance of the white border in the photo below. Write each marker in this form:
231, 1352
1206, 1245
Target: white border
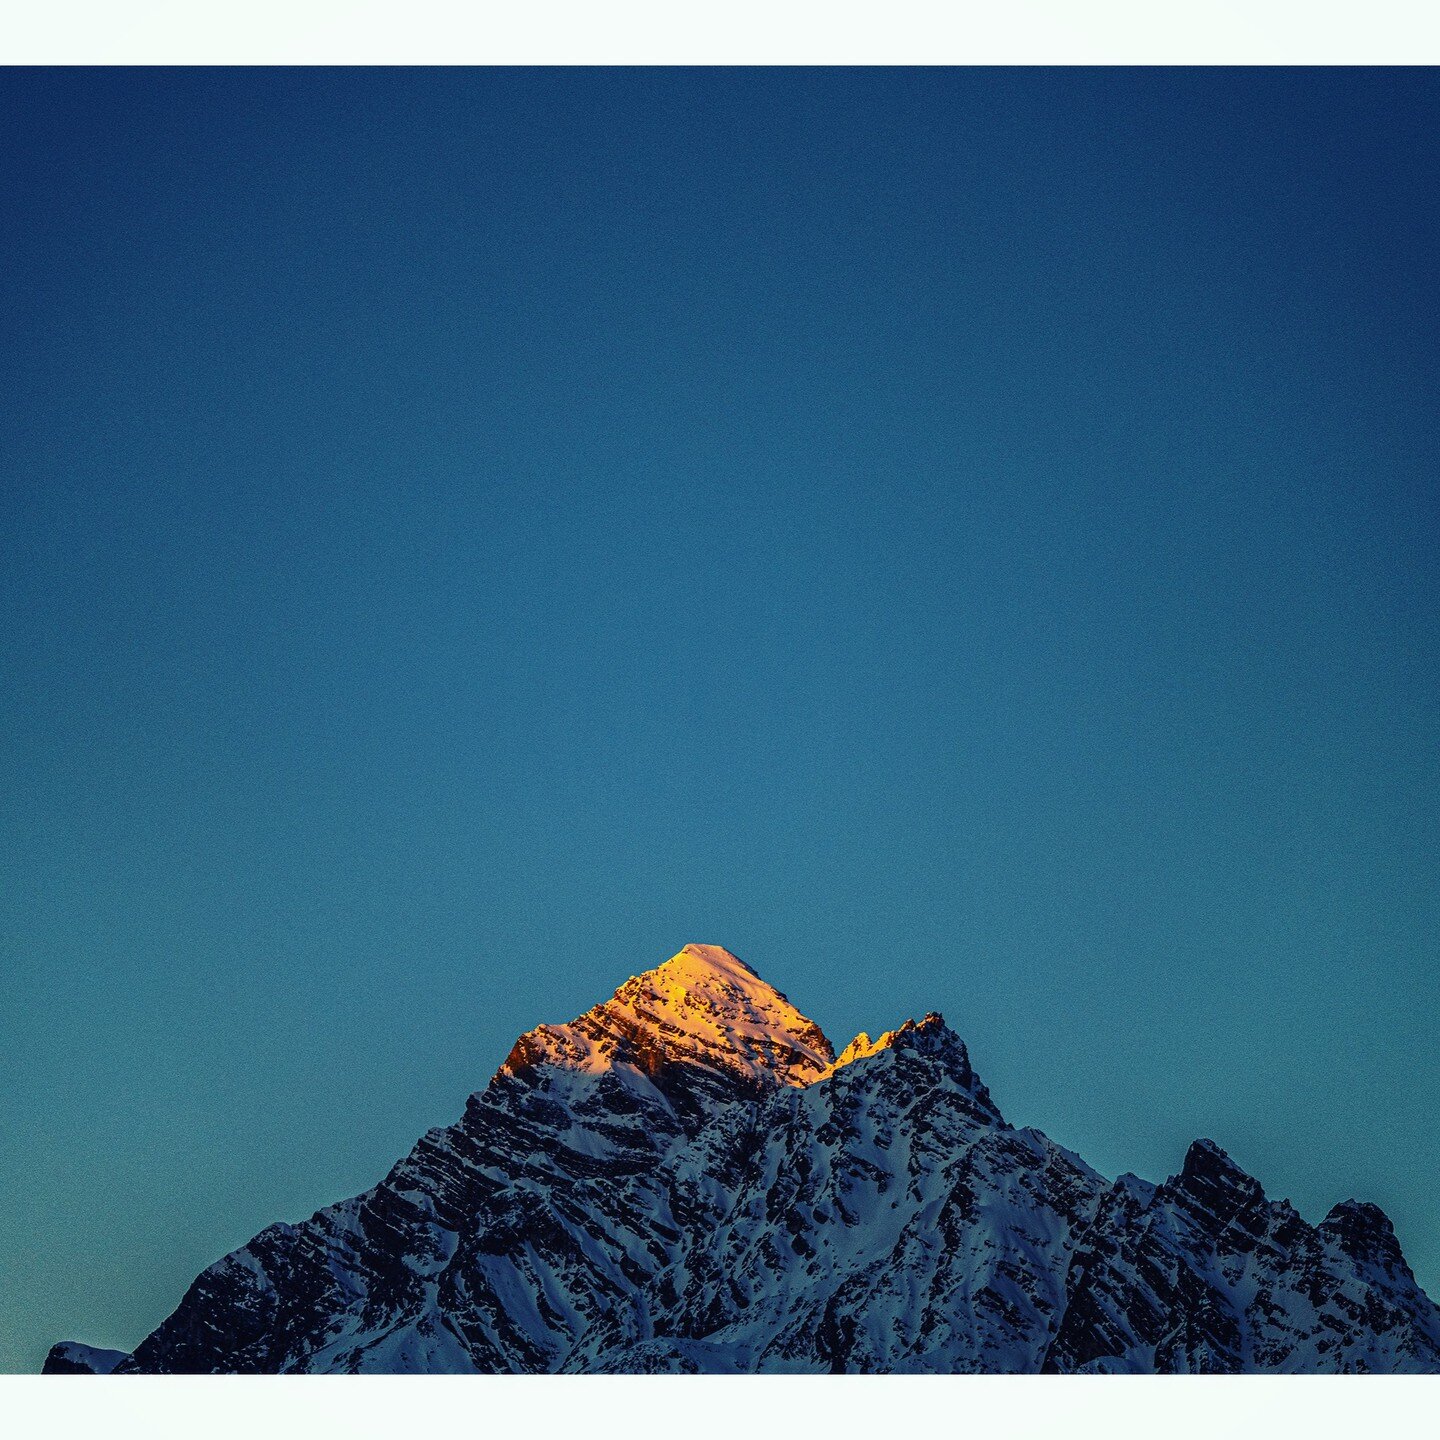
650, 32
712, 1408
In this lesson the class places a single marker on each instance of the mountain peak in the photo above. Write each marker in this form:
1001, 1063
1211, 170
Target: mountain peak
930, 1041
1211, 1180
704, 1007
715, 956
930, 1035
700, 965
1364, 1232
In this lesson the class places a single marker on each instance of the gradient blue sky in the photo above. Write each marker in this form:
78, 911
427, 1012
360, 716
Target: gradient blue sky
962, 540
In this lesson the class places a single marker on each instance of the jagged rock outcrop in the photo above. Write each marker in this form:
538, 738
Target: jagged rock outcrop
72, 1358
686, 1178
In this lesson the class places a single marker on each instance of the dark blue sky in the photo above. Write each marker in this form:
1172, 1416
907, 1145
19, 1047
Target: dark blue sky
962, 540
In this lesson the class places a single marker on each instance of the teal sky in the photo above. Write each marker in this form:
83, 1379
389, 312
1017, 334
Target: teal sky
962, 540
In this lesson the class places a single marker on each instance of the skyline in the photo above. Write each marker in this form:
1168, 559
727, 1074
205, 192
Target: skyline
960, 540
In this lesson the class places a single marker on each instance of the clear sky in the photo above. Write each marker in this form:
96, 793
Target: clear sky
962, 540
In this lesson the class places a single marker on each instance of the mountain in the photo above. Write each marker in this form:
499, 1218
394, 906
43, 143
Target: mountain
687, 1178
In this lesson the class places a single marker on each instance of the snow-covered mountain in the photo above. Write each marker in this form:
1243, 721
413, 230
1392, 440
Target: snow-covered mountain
686, 1178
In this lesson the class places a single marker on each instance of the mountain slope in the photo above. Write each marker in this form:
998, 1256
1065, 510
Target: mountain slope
687, 1178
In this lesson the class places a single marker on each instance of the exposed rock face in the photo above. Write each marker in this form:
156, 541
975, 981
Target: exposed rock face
686, 1179
1204, 1274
